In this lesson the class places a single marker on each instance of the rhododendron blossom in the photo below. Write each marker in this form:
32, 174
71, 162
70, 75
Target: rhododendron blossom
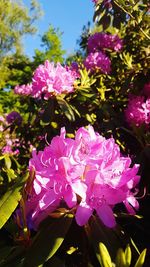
98, 61
23, 89
101, 41
87, 173
14, 116
49, 80
11, 145
138, 111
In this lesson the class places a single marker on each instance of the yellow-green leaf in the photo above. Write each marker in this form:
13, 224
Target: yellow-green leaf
104, 256
48, 240
141, 259
9, 201
128, 255
120, 258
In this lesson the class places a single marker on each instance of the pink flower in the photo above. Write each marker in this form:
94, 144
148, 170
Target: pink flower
101, 41
2, 119
74, 68
138, 111
57, 176
99, 62
107, 175
87, 173
9, 150
49, 80
23, 89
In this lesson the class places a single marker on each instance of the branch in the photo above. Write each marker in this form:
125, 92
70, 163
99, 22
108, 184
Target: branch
131, 16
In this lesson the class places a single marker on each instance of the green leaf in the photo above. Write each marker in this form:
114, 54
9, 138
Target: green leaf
104, 256
66, 109
113, 239
48, 240
128, 255
54, 262
141, 259
9, 201
11, 174
120, 258
7, 161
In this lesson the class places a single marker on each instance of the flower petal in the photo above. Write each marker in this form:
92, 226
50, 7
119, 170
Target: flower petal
48, 199
83, 214
106, 215
70, 198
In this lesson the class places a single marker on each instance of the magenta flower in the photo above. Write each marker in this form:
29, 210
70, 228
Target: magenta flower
49, 80
87, 173
23, 89
107, 175
8, 149
99, 62
74, 68
138, 111
14, 117
57, 177
101, 41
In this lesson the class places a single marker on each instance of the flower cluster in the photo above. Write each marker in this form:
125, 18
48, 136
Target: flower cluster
87, 174
102, 41
98, 61
97, 44
9, 142
11, 145
138, 111
23, 89
49, 80
14, 117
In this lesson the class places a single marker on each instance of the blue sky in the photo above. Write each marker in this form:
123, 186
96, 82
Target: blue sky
67, 15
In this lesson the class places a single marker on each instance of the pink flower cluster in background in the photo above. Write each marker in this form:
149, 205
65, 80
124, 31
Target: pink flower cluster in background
9, 143
138, 111
98, 61
49, 80
23, 89
87, 173
102, 41
97, 44
11, 146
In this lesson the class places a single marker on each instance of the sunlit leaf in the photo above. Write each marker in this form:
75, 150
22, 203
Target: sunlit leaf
128, 255
9, 201
141, 259
7, 161
120, 258
48, 240
104, 256
113, 239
